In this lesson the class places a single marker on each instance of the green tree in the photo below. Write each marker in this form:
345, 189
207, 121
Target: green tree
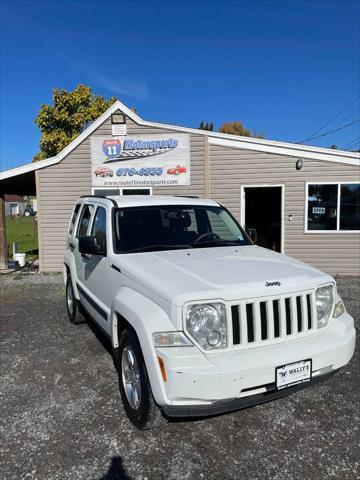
237, 128
69, 115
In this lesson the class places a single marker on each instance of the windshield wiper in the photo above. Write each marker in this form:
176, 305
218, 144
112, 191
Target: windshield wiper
149, 248
216, 243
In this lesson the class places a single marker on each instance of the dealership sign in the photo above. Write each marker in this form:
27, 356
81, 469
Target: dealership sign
142, 160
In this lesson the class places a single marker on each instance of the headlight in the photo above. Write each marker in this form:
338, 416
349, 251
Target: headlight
206, 323
324, 304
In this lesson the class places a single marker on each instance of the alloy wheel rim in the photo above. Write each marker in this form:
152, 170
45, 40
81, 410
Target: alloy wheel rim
131, 377
70, 299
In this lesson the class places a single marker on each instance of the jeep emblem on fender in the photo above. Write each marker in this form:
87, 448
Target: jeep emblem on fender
272, 284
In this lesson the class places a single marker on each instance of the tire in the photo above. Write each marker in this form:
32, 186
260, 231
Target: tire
134, 385
72, 305
27, 214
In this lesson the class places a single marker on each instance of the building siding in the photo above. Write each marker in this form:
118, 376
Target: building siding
59, 186
335, 253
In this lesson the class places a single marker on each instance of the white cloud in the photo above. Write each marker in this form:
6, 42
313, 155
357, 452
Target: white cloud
123, 85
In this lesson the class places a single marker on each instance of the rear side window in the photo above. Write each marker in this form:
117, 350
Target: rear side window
99, 226
85, 220
73, 218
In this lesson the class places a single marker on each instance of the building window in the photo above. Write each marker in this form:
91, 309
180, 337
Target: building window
350, 206
122, 191
333, 207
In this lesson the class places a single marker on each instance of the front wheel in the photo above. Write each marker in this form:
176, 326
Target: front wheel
134, 385
72, 304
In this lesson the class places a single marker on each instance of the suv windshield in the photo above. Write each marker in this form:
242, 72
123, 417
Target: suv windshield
171, 227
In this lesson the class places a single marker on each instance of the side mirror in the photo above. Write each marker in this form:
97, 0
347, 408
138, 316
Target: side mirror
89, 246
252, 232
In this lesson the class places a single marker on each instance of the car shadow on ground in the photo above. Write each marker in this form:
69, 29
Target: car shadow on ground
100, 335
116, 470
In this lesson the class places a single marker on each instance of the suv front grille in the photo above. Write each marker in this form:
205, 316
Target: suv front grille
272, 319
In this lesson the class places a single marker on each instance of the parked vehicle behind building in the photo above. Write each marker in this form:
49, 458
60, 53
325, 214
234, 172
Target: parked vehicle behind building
201, 320
29, 212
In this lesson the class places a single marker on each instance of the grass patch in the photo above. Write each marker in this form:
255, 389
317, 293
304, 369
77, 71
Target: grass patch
23, 231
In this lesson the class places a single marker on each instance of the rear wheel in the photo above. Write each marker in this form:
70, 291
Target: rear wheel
72, 304
134, 385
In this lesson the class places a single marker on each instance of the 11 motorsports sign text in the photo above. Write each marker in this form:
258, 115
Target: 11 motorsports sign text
142, 160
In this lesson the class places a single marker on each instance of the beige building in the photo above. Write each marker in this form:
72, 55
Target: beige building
303, 201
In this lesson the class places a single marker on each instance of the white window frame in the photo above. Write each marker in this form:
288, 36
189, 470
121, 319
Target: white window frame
122, 188
337, 231
261, 185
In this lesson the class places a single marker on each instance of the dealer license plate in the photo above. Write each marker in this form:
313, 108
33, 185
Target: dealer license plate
293, 374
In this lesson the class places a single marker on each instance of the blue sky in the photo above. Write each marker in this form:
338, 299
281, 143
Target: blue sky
283, 68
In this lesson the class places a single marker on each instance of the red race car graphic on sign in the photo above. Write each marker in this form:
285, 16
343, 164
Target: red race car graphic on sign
177, 170
103, 172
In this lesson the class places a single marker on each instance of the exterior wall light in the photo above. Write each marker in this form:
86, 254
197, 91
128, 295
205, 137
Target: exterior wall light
299, 164
118, 118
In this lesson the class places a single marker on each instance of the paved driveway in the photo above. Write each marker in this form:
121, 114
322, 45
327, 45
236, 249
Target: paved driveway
61, 417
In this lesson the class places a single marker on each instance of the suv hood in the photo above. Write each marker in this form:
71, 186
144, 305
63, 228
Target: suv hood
228, 273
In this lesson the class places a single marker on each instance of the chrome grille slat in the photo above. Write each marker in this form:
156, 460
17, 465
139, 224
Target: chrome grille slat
282, 318
304, 315
243, 325
257, 322
294, 318
272, 319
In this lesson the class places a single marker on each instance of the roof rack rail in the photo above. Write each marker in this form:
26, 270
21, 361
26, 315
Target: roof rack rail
100, 196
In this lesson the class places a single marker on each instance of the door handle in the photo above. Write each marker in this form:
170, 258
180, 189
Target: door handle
72, 246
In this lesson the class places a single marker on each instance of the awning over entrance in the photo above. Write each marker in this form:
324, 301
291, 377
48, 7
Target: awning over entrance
23, 184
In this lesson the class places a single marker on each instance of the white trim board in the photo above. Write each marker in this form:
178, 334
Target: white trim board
215, 138
288, 150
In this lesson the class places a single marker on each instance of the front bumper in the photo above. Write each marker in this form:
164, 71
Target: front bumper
222, 406
203, 384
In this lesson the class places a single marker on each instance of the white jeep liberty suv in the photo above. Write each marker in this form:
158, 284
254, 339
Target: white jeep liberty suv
201, 320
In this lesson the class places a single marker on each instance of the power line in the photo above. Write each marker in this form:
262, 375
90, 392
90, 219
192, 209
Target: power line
349, 144
354, 146
333, 118
328, 133
357, 111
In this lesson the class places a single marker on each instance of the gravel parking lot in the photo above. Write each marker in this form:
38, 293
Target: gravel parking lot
61, 416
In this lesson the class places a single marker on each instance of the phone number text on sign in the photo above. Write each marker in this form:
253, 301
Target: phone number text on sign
152, 171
